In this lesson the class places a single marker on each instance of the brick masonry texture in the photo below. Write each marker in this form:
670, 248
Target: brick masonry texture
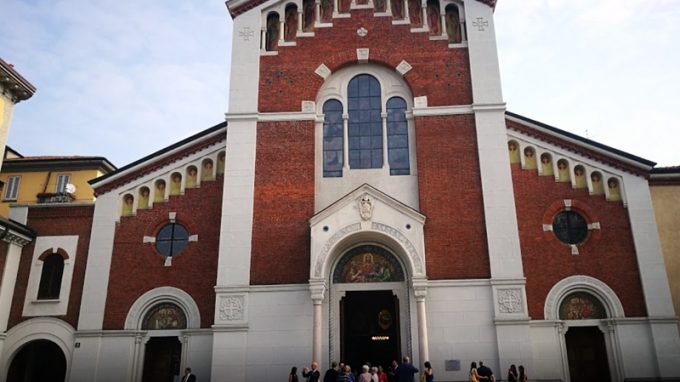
137, 268
284, 202
607, 255
451, 198
55, 221
288, 78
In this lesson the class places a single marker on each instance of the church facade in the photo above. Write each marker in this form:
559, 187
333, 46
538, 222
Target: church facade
367, 198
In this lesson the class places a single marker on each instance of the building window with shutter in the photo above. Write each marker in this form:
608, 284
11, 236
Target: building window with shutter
12, 188
62, 181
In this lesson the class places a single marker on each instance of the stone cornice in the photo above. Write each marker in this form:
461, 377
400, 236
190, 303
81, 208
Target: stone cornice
12, 84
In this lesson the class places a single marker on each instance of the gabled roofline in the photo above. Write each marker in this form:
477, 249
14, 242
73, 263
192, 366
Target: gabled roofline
366, 188
160, 154
630, 159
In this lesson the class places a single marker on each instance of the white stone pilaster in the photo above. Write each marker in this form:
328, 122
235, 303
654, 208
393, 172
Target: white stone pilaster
9, 278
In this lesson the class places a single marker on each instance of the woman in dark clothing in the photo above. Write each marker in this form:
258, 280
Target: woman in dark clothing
512, 374
292, 377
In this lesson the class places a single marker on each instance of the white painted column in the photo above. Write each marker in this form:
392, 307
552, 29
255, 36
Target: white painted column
317, 289
299, 21
423, 10
406, 11
9, 279
345, 137
317, 12
420, 291
386, 163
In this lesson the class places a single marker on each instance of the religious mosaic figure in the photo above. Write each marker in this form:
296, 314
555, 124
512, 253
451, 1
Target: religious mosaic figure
614, 189
308, 15
272, 35
415, 12
143, 201
397, 9
563, 170
580, 177
513, 151
433, 18
453, 30
529, 159
159, 193
192, 174
165, 317
128, 200
291, 23
326, 11
344, 5
546, 164
176, 184
221, 157
207, 171
598, 187
581, 306
380, 5
368, 264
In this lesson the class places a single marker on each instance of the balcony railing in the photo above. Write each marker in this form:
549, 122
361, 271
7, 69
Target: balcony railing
55, 197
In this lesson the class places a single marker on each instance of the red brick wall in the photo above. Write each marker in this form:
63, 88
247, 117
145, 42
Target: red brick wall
451, 198
607, 255
288, 78
284, 202
55, 221
137, 268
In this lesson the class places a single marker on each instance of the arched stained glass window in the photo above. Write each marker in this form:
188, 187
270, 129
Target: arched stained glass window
365, 124
397, 137
50, 277
332, 139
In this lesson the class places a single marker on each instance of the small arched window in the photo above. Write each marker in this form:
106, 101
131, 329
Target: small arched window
50, 277
397, 137
308, 15
291, 23
434, 18
332, 139
272, 35
365, 123
453, 29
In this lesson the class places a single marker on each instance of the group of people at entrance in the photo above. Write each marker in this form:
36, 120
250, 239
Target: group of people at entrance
404, 372
484, 374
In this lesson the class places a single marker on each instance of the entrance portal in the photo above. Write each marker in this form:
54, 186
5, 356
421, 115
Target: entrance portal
587, 354
162, 359
38, 361
369, 328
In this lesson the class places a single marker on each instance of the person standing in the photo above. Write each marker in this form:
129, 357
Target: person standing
332, 373
512, 374
365, 375
485, 373
522, 375
474, 377
429, 373
405, 371
292, 377
312, 375
188, 377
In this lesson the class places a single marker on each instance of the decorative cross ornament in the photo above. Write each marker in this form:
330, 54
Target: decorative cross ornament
480, 23
231, 308
362, 32
246, 34
509, 301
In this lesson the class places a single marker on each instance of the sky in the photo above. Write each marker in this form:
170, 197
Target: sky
122, 79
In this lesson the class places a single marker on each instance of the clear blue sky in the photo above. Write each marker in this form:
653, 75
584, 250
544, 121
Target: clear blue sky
123, 78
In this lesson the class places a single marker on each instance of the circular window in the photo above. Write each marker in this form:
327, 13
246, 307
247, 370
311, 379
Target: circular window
570, 227
171, 239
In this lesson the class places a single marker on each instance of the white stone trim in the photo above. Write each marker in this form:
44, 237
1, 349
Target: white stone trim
425, 111
582, 283
155, 296
59, 306
40, 328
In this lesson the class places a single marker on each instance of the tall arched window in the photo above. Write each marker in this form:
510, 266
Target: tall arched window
291, 23
50, 278
272, 35
332, 139
365, 123
397, 137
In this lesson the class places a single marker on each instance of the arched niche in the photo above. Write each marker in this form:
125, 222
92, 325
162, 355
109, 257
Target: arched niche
145, 305
584, 284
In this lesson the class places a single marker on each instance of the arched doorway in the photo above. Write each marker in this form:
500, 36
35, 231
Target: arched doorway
38, 361
371, 302
163, 354
586, 347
